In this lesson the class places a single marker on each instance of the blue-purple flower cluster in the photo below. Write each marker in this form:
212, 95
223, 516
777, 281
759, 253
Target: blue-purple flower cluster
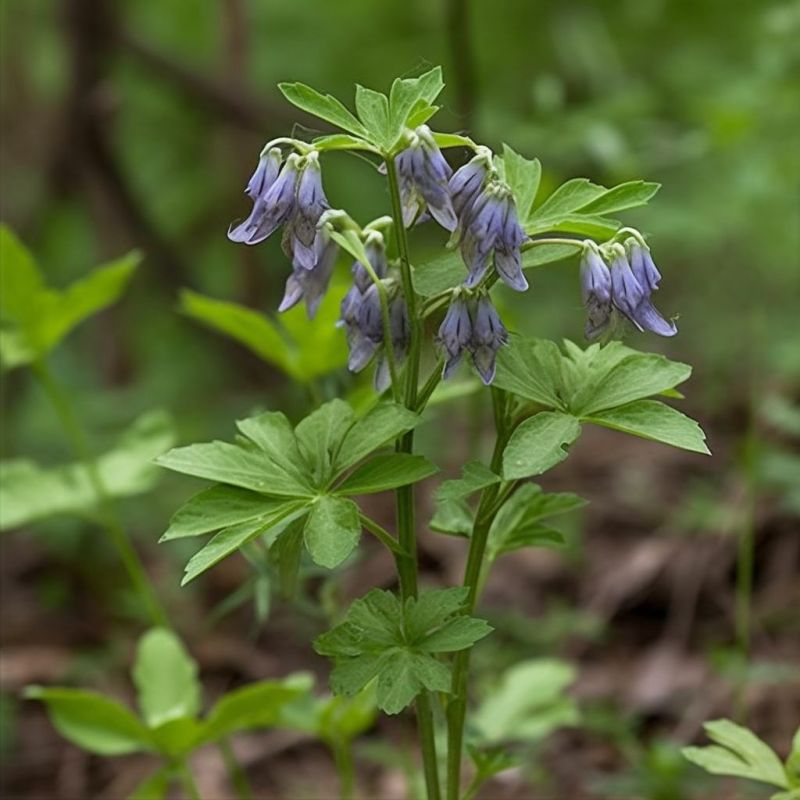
290, 193
472, 325
362, 317
625, 284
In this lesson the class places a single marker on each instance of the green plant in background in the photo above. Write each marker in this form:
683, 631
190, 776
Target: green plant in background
291, 488
35, 318
169, 725
738, 752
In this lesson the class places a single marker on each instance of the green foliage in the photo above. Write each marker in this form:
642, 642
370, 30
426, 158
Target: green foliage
474, 477
303, 349
382, 120
518, 523
169, 702
276, 476
737, 751
601, 385
30, 493
35, 317
527, 703
393, 643
333, 719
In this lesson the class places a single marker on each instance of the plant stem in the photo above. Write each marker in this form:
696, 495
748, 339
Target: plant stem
108, 516
484, 516
188, 782
381, 534
235, 772
343, 758
406, 523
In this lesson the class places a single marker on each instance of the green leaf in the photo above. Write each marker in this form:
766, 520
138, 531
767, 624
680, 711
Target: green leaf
592, 225
569, 197
258, 705
256, 332
387, 472
320, 436
379, 426
445, 140
474, 477
531, 368
233, 464
453, 517
738, 752
538, 255
626, 195
384, 639
286, 552
527, 704
92, 721
272, 433
538, 444
155, 786
332, 530
178, 737
341, 141
219, 507
231, 539
408, 94
636, 376
654, 420
166, 678
523, 177
29, 493
325, 107
38, 317
373, 111
518, 522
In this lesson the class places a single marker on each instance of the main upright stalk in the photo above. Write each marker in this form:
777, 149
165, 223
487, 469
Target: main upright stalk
406, 519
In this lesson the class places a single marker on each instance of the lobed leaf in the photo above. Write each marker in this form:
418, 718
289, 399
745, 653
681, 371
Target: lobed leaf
387, 472
475, 476
324, 106
538, 444
332, 530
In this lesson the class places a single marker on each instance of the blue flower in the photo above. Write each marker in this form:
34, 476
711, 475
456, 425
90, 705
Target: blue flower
273, 205
311, 284
488, 336
492, 225
306, 242
632, 297
423, 175
269, 166
400, 331
455, 334
595, 291
467, 181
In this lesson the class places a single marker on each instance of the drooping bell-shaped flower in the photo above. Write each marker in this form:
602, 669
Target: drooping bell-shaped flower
595, 292
633, 299
423, 175
306, 239
400, 331
642, 265
269, 166
467, 182
375, 248
273, 206
311, 284
492, 225
488, 336
455, 334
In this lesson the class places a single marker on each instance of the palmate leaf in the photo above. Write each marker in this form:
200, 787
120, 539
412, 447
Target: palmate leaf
30, 493
606, 386
527, 704
474, 477
382, 638
332, 530
387, 472
739, 752
36, 317
324, 106
518, 523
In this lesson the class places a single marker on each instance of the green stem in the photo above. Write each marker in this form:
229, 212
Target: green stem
381, 534
343, 758
235, 772
108, 516
406, 523
484, 516
188, 783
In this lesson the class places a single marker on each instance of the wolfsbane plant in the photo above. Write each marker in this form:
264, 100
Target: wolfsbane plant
288, 487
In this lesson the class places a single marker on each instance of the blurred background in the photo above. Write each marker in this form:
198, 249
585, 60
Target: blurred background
136, 124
